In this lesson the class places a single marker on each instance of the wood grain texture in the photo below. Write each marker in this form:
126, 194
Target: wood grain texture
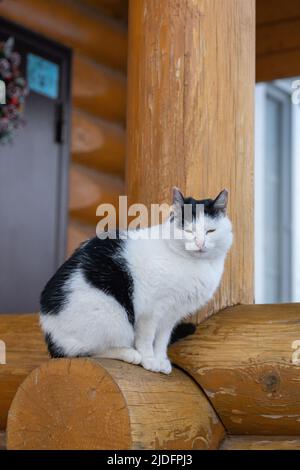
117, 9
78, 233
88, 189
190, 115
247, 363
276, 10
25, 350
282, 64
97, 143
279, 36
93, 36
98, 90
93, 404
261, 443
277, 39
2, 440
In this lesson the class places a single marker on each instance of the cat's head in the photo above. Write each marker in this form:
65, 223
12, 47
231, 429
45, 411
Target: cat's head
201, 227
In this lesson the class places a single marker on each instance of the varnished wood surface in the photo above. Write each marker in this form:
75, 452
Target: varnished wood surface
98, 90
261, 443
25, 350
247, 361
190, 115
277, 39
89, 189
93, 36
89, 404
113, 8
97, 143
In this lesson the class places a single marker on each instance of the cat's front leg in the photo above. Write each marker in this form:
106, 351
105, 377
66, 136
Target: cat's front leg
145, 330
162, 339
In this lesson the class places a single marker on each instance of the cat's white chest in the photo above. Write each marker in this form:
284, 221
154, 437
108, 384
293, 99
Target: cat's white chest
173, 285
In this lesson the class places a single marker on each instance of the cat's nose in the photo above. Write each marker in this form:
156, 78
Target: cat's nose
199, 243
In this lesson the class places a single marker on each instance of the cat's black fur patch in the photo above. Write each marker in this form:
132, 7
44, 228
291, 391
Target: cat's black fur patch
102, 265
107, 272
54, 350
209, 209
181, 331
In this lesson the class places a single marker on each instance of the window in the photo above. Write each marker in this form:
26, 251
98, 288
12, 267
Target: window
277, 177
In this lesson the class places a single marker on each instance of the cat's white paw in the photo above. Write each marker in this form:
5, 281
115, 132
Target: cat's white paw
157, 365
165, 366
133, 357
151, 363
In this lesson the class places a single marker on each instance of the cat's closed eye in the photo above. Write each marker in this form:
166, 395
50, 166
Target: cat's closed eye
210, 231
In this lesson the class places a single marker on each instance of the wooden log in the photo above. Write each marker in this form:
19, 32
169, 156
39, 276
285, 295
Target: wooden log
25, 350
247, 361
107, 404
91, 35
88, 189
97, 144
2, 440
276, 11
261, 443
271, 38
77, 233
190, 115
114, 8
282, 64
98, 90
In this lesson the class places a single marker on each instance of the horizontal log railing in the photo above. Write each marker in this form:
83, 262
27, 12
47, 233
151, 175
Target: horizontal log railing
93, 404
246, 361
25, 350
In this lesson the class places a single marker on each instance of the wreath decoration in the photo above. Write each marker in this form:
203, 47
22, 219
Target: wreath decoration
11, 113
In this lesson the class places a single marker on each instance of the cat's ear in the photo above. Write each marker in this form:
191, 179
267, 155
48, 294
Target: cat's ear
220, 203
178, 199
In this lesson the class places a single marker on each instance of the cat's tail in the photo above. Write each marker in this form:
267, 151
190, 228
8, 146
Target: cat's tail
181, 331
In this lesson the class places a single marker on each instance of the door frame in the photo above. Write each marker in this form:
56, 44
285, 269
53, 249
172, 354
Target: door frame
63, 55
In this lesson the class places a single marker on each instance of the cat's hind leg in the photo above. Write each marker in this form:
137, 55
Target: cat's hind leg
130, 355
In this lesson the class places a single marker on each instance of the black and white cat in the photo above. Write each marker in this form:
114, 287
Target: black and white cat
122, 298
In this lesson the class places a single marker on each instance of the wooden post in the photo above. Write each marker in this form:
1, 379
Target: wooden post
191, 75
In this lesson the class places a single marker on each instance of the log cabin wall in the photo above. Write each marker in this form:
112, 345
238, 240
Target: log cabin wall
277, 39
96, 31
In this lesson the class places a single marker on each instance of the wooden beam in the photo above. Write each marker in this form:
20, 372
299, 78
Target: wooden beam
190, 115
91, 35
98, 90
246, 359
110, 405
276, 11
77, 233
97, 144
261, 443
282, 64
272, 38
114, 8
88, 189
25, 350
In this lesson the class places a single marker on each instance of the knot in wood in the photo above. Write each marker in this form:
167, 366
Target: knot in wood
270, 382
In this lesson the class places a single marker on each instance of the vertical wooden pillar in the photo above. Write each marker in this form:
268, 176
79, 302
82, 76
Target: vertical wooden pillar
191, 75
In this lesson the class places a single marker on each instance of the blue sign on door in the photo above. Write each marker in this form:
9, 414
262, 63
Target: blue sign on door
42, 76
